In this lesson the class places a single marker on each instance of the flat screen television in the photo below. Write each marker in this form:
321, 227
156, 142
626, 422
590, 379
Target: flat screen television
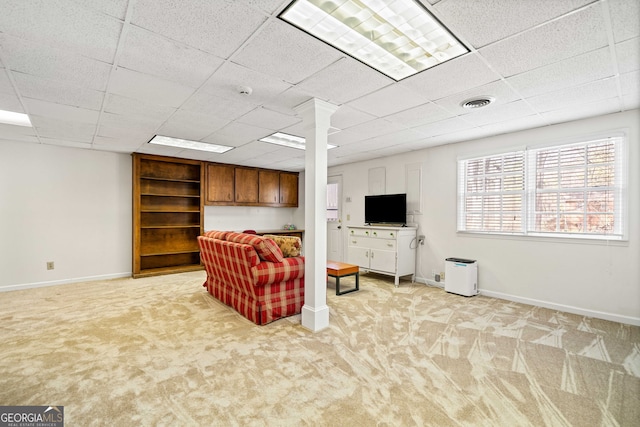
385, 209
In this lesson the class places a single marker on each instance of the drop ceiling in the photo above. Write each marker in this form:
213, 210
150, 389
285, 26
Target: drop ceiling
109, 75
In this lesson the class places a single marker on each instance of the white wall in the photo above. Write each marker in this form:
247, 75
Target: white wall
599, 279
239, 218
65, 205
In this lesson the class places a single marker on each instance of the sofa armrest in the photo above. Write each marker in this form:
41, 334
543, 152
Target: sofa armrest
276, 272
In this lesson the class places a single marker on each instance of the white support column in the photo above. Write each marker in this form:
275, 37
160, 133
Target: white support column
316, 115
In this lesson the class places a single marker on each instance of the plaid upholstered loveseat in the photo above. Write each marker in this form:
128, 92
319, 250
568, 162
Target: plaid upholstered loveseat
250, 274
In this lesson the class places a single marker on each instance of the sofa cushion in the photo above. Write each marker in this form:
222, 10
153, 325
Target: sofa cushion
289, 245
266, 248
215, 234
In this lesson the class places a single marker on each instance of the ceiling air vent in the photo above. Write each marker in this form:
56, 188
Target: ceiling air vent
479, 102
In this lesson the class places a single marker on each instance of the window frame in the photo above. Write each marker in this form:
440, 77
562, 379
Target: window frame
620, 189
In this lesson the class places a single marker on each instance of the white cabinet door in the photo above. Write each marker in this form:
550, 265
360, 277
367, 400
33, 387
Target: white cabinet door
358, 256
383, 261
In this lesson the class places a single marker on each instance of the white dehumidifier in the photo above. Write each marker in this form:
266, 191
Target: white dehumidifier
461, 276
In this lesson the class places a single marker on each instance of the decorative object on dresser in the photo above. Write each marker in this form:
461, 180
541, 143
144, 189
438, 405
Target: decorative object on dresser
385, 250
249, 273
168, 214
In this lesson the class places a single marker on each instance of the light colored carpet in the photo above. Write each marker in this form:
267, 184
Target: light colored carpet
162, 351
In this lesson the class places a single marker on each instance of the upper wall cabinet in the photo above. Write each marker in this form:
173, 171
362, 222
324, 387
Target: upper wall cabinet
220, 189
229, 185
246, 186
289, 189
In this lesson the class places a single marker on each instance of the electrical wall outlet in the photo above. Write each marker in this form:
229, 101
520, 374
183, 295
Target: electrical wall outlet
50, 265
442, 275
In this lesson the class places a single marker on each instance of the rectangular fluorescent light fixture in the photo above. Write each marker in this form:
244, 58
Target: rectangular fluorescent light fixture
399, 38
287, 140
189, 145
11, 118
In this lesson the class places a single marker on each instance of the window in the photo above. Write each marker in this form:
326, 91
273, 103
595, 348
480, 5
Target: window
572, 190
332, 201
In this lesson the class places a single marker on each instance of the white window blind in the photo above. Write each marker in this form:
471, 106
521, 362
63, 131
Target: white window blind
577, 189
492, 193
573, 190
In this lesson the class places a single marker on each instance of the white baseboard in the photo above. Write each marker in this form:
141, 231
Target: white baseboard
63, 281
546, 304
566, 308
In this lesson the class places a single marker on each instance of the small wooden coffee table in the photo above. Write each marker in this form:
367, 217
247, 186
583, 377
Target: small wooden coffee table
340, 269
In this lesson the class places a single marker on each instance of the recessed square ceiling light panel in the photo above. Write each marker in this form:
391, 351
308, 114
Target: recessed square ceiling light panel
399, 38
11, 118
190, 145
292, 141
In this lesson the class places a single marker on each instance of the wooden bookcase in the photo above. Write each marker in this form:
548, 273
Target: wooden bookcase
168, 214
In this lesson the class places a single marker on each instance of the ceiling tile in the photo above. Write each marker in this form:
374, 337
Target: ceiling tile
5, 84
572, 35
115, 8
147, 88
374, 128
453, 76
625, 18
64, 142
628, 55
117, 104
217, 27
630, 83
221, 108
54, 64
443, 127
10, 102
498, 113
501, 18
574, 71
515, 125
230, 76
61, 111
18, 133
287, 101
574, 96
58, 91
346, 117
114, 144
631, 101
285, 52
580, 111
130, 122
265, 118
64, 25
269, 6
237, 134
125, 133
191, 125
421, 115
63, 130
499, 90
389, 100
178, 63
344, 80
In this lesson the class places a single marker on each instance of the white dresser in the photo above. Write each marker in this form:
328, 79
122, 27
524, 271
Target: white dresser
385, 250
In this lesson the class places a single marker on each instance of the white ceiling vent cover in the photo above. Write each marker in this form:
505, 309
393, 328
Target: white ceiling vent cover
478, 102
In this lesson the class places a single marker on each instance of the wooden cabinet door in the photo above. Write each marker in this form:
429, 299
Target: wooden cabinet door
269, 187
220, 184
289, 189
246, 185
